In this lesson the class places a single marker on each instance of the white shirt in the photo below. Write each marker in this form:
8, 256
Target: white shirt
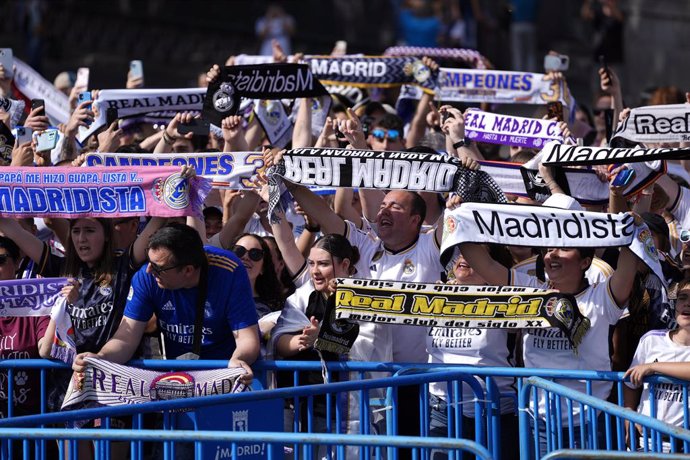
549, 348
657, 346
476, 347
419, 262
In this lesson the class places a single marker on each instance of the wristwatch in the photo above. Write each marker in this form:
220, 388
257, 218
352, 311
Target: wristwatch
461, 143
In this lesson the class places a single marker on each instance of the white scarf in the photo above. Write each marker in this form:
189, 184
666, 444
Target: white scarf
537, 226
495, 86
656, 123
32, 85
133, 102
562, 155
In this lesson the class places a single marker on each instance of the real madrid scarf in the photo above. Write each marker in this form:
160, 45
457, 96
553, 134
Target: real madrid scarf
33, 86
14, 108
136, 102
41, 297
468, 56
224, 170
261, 81
494, 86
274, 121
421, 172
559, 154
6, 143
111, 384
449, 305
495, 128
371, 71
656, 123
537, 226
583, 184
100, 192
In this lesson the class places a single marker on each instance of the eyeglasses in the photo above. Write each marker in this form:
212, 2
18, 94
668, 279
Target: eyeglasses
255, 254
381, 134
4, 258
597, 112
158, 270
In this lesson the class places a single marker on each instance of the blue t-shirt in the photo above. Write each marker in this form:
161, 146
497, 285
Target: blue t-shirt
229, 307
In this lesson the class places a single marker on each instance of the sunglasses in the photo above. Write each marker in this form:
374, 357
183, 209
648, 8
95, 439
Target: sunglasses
255, 254
597, 112
4, 258
381, 134
158, 270
684, 236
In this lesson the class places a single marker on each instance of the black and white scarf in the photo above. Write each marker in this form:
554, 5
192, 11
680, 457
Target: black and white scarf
260, 81
583, 184
413, 171
538, 226
562, 155
656, 123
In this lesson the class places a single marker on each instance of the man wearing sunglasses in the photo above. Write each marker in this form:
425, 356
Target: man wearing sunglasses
180, 270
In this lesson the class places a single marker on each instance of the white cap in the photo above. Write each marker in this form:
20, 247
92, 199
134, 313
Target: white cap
563, 201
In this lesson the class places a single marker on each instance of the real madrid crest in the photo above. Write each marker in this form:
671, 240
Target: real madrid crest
418, 70
224, 97
172, 191
408, 267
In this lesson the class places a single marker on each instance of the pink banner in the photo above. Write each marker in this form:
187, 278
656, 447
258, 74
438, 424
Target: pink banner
100, 192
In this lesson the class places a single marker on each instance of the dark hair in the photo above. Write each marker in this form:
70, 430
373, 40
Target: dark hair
418, 207
11, 247
390, 121
284, 276
586, 252
103, 269
212, 211
339, 248
183, 242
267, 286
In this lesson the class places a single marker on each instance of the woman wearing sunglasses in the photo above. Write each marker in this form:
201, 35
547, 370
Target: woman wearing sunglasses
256, 257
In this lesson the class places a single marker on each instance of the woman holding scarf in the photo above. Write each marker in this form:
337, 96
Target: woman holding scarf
602, 303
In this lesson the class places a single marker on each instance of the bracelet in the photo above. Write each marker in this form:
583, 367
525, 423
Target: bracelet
462, 143
167, 138
315, 229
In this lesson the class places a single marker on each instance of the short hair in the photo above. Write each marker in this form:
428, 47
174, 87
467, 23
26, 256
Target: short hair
11, 247
418, 207
212, 211
390, 121
183, 242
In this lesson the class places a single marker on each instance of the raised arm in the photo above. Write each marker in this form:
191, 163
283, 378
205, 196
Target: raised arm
233, 135
244, 208
301, 134
481, 262
621, 282
27, 242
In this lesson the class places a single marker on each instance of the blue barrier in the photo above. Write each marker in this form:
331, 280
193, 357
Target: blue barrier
545, 432
570, 454
486, 402
274, 441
